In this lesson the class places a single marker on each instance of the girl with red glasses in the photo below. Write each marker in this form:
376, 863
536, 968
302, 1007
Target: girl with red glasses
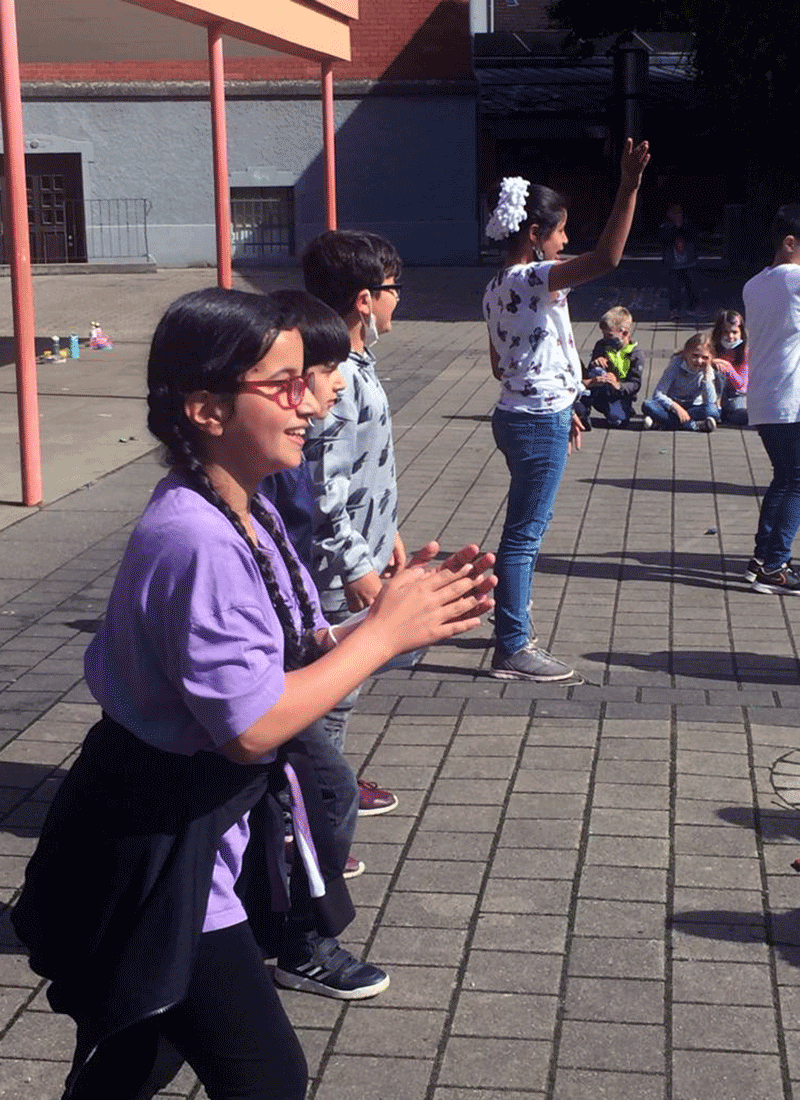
159, 884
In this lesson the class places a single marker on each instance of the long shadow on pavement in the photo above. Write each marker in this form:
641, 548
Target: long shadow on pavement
732, 926
754, 668
666, 485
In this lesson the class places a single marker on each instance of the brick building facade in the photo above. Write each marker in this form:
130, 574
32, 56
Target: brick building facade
101, 132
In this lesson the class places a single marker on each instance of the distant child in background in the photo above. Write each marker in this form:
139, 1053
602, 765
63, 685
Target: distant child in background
678, 238
729, 340
685, 396
614, 375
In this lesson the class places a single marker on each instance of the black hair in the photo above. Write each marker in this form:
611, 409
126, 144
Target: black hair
325, 335
543, 207
786, 223
206, 340
727, 317
340, 263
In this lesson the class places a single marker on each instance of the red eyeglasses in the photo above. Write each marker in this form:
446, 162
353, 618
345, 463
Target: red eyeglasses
288, 393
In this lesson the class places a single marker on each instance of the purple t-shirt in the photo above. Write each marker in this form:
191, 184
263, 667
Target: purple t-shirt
191, 650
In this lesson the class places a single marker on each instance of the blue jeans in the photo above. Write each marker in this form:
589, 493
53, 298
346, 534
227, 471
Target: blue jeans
779, 520
334, 723
535, 449
666, 418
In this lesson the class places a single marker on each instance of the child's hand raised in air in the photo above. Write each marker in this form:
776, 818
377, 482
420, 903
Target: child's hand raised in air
633, 163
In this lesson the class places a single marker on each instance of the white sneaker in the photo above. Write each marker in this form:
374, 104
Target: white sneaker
647, 423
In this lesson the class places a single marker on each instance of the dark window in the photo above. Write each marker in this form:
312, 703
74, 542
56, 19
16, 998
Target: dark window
262, 223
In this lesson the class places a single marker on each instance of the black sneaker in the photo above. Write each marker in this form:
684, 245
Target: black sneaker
319, 965
779, 582
529, 663
752, 569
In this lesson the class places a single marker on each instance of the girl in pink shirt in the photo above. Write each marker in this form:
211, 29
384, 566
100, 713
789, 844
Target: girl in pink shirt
729, 340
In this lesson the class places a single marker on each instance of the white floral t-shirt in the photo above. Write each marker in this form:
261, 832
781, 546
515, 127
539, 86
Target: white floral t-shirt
531, 332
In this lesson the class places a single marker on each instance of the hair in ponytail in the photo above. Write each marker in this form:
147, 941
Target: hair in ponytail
206, 340
516, 205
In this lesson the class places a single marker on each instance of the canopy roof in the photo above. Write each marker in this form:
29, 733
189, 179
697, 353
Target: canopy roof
144, 30
162, 30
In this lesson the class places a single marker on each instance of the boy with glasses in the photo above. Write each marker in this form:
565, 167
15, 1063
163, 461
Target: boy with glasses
350, 453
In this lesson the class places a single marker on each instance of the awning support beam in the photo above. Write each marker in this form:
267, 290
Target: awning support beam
329, 144
20, 258
219, 138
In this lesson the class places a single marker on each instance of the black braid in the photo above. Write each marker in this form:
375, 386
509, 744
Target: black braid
309, 650
206, 340
294, 655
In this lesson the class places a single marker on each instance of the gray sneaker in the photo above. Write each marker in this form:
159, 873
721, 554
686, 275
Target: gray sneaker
529, 663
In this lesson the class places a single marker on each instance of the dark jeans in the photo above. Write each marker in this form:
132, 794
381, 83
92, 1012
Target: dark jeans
231, 1029
535, 449
734, 410
609, 402
337, 784
780, 509
682, 281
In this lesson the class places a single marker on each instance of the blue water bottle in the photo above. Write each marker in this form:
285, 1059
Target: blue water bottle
74, 346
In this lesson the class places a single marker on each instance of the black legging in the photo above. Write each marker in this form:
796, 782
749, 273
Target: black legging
231, 1029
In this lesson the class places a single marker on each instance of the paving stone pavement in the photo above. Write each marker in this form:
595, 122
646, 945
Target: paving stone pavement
585, 891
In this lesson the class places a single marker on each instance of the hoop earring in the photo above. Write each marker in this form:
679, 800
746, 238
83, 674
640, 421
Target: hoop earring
538, 254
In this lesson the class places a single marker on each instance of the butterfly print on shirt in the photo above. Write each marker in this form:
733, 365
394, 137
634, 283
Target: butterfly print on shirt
514, 301
502, 333
533, 279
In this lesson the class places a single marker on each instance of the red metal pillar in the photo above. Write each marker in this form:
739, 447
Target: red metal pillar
21, 281
219, 137
329, 144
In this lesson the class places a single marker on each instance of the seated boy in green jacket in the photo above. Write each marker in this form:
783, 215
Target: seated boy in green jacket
614, 374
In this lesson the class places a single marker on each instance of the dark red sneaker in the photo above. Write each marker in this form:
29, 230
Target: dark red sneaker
373, 800
354, 867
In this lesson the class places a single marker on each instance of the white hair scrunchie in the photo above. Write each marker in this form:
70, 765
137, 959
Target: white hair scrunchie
510, 212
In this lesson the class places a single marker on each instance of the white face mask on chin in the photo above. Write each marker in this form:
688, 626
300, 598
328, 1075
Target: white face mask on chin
369, 331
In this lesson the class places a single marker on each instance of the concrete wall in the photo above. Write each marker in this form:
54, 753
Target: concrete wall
406, 163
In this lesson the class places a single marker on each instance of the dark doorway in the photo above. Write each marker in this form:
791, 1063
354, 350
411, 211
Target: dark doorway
55, 208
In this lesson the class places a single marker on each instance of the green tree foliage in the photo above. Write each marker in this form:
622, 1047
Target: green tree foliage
591, 21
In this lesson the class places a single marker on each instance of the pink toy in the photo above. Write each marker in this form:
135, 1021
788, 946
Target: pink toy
98, 339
